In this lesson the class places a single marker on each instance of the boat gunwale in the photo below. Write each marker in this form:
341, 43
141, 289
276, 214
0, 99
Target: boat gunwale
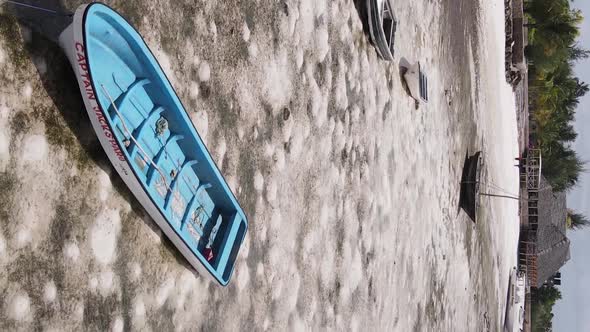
175, 99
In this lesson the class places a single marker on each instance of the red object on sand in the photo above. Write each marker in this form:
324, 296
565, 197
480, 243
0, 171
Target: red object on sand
208, 254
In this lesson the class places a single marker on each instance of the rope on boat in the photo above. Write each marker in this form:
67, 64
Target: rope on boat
503, 193
133, 138
500, 189
35, 7
500, 196
490, 185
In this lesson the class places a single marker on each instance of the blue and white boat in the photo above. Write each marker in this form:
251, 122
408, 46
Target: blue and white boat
151, 141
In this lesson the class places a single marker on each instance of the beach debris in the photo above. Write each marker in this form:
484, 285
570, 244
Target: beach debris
486, 321
161, 126
208, 253
286, 114
449, 96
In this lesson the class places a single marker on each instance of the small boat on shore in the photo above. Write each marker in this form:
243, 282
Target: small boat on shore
151, 142
382, 27
515, 306
417, 83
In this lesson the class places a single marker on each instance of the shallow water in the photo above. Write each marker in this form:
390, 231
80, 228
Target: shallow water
351, 191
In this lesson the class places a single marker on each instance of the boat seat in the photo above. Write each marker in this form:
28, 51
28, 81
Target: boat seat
124, 99
228, 239
158, 158
187, 165
193, 204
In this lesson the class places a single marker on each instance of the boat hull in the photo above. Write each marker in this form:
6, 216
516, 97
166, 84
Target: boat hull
417, 83
73, 41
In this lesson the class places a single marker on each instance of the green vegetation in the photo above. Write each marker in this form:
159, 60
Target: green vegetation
554, 89
542, 303
576, 220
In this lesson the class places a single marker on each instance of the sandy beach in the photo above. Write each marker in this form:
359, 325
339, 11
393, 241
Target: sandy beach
351, 191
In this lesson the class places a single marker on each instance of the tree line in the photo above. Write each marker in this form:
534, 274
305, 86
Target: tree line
542, 301
554, 89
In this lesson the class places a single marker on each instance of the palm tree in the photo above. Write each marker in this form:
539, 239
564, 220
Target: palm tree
561, 165
576, 220
577, 53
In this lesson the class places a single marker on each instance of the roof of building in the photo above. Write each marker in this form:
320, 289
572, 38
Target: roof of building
549, 262
553, 246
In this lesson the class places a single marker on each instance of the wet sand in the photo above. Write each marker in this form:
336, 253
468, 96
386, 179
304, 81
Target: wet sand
351, 192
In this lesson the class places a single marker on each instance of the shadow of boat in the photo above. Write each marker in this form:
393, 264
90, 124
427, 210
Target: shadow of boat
56, 74
59, 81
469, 193
361, 8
